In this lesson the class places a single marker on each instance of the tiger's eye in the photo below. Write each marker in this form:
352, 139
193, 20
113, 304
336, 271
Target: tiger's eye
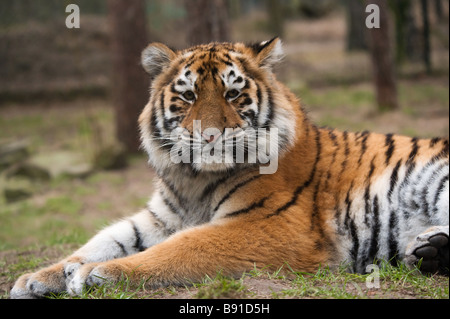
189, 95
232, 94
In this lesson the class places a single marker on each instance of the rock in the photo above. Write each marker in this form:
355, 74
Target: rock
16, 189
29, 171
81, 170
63, 163
110, 157
12, 153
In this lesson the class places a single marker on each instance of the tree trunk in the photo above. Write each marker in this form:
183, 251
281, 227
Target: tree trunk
382, 60
356, 30
426, 36
401, 9
130, 83
275, 13
413, 49
439, 9
207, 21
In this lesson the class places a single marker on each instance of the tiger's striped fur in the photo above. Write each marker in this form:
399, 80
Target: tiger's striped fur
336, 196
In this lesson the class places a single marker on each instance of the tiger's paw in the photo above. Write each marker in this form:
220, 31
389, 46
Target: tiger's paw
50, 280
20, 290
92, 275
431, 248
40, 284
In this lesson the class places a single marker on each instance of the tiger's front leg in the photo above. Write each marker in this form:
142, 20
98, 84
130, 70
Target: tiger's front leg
124, 238
231, 248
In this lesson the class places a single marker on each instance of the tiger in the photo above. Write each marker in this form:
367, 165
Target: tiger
316, 197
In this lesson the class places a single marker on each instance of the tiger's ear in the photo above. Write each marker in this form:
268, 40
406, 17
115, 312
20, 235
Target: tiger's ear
155, 58
268, 53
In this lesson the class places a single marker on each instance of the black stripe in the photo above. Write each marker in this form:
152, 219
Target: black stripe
258, 96
307, 183
180, 199
239, 79
405, 183
173, 89
250, 208
251, 116
392, 240
172, 207
393, 180
160, 223
122, 248
333, 137
270, 109
414, 151
367, 206
355, 247
390, 144
138, 244
166, 124
423, 193
233, 190
434, 141
367, 200
374, 245
346, 153
211, 188
244, 65
200, 71
173, 108
247, 101
443, 153
348, 205
246, 85
225, 61
365, 136
154, 125
440, 190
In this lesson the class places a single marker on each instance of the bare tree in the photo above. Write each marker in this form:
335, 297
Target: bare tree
130, 83
207, 21
356, 32
382, 60
426, 36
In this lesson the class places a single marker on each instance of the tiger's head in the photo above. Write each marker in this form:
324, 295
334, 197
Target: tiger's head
216, 107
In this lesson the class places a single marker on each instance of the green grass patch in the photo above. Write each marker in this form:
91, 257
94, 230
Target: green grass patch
222, 287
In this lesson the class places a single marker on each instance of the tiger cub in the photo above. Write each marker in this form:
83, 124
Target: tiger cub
245, 180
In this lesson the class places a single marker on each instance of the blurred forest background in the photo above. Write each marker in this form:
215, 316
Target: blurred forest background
69, 98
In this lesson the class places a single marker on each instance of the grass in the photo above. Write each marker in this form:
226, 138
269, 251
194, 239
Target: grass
326, 283
394, 282
221, 287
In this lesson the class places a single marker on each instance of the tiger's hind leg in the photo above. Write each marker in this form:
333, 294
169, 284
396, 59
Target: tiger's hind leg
432, 249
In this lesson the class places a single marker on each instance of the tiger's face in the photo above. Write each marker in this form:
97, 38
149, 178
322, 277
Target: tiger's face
215, 107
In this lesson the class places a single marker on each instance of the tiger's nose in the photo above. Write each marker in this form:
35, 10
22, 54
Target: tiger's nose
211, 138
